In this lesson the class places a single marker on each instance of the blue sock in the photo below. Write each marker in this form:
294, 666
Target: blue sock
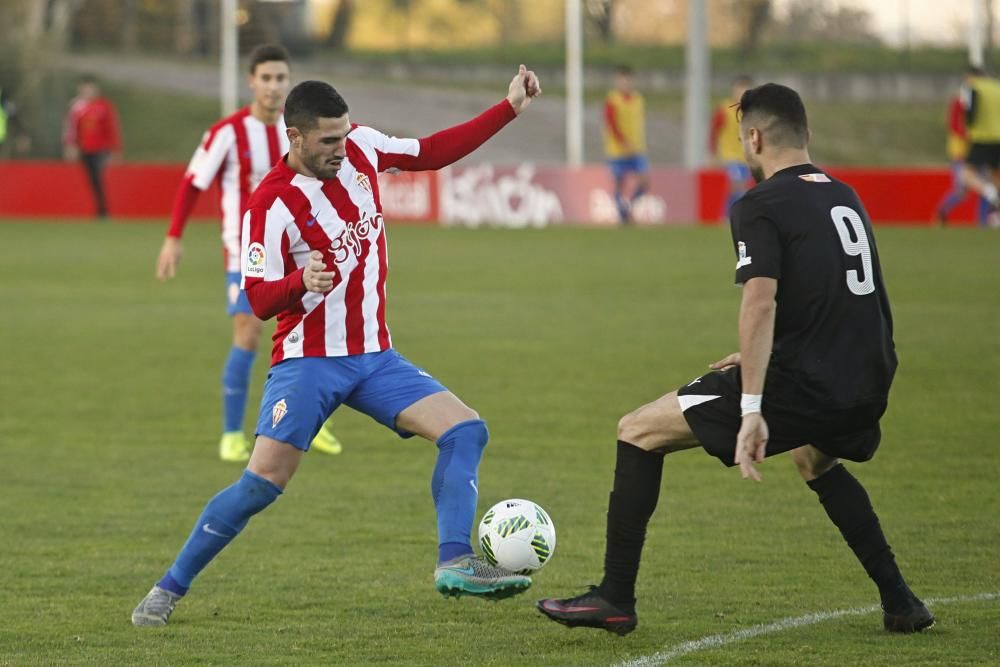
235, 382
223, 518
622, 205
639, 192
454, 486
985, 208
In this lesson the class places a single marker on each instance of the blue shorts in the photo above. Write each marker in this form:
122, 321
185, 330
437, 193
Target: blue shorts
300, 394
622, 166
236, 299
738, 172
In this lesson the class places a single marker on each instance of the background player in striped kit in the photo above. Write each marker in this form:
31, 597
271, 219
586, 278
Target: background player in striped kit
315, 255
238, 151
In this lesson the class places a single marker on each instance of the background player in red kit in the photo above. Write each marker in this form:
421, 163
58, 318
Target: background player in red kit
314, 255
238, 151
92, 135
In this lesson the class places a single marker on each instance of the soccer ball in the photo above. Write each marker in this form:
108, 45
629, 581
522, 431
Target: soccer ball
518, 535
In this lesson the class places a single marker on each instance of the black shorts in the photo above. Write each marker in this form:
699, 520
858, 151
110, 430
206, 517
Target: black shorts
711, 406
984, 156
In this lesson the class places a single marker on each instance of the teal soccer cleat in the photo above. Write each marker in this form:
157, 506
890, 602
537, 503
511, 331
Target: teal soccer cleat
471, 575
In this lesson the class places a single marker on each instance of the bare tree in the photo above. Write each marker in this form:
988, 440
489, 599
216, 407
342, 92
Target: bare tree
988, 47
130, 25
600, 14
341, 28
757, 13
811, 21
184, 28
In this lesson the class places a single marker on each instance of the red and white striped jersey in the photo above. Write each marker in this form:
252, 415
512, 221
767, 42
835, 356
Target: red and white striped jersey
239, 150
291, 214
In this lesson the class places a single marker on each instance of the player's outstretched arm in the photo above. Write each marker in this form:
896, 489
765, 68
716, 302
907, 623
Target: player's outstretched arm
523, 88
448, 146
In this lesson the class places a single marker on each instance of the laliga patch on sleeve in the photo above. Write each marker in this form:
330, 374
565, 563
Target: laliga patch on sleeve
255, 260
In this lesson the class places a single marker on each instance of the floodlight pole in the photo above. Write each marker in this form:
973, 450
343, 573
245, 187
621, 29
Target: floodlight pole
574, 84
229, 52
977, 26
696, 99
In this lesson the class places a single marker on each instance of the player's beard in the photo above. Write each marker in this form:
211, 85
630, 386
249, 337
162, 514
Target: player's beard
320, 166
757, 172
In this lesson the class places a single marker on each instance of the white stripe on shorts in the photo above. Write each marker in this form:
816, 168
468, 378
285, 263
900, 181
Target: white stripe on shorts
689, 401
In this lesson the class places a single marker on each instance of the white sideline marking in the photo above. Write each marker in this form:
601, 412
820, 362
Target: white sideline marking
715, 641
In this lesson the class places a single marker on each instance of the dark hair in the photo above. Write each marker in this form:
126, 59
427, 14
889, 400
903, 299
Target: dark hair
781, 111
743, 80
311, 100
86, 78
625, 70
266, 53
973, 70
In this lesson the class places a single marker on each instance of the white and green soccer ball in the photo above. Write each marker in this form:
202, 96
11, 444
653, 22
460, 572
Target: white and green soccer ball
518, 535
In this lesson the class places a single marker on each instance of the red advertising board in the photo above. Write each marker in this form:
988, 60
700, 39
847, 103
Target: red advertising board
530, 196
516, 196
891, 196
60, 190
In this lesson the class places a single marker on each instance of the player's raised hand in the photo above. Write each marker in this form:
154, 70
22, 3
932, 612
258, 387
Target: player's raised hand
170, 256
315, 277
727, 362
751, 443
523, 88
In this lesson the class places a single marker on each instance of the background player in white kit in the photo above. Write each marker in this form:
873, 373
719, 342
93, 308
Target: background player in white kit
238, 151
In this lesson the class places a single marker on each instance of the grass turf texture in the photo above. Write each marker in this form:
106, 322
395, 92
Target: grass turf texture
110, 422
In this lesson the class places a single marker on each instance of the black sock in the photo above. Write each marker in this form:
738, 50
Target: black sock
633, 499
848, 506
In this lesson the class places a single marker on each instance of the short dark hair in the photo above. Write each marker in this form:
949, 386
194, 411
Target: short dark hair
974, 70
782, 111
86, 78
625, 70
311, 100
266, 53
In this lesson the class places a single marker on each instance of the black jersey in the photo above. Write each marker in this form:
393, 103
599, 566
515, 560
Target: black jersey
833, 348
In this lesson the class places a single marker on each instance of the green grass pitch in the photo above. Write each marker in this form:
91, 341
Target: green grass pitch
110, 419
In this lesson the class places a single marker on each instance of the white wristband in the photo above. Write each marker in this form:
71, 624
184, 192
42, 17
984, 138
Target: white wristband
750, 403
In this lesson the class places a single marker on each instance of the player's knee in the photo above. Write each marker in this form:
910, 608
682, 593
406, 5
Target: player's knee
811, 463
247, 333
632, 429
480, 433
470, 434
